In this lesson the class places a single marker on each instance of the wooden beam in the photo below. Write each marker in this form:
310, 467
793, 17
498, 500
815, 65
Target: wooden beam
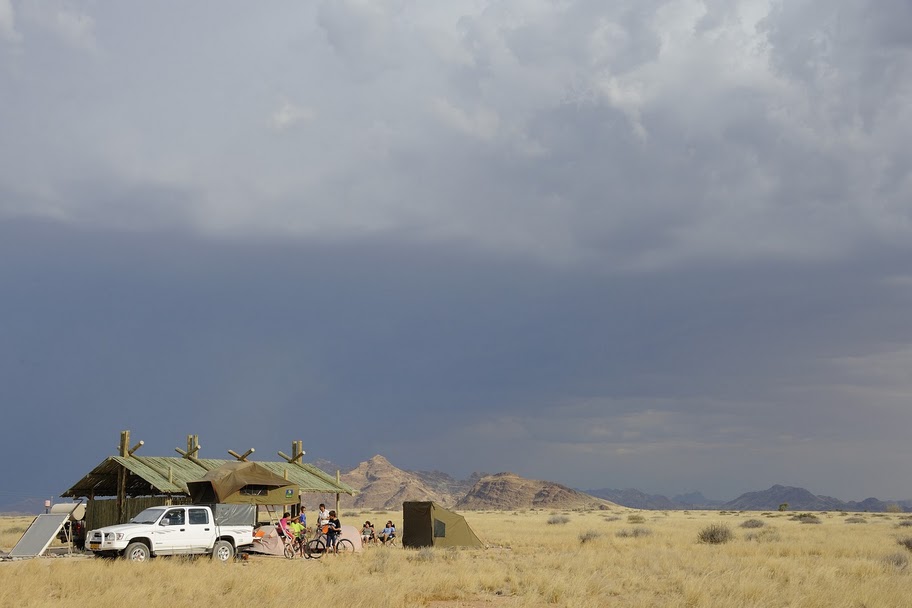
242, 457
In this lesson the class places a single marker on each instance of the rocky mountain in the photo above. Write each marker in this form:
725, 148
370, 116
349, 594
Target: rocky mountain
800, 499
384, 486
695, 500
508, 491
636, 499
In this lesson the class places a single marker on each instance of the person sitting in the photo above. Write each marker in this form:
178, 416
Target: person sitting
333, 531
387, 533
367, 532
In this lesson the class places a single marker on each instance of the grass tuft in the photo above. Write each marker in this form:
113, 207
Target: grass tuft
897, 561
638, 532
588, 535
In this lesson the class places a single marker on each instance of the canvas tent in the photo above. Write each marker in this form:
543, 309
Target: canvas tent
242, 483
427, 524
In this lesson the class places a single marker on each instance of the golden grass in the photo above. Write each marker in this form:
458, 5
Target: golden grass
528, 563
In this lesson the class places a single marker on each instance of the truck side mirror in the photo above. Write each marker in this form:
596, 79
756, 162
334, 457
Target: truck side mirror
165, 522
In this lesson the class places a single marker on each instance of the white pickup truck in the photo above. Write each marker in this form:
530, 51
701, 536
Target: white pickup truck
218, 530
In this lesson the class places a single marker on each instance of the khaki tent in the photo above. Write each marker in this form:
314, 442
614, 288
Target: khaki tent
243, 483
426, 524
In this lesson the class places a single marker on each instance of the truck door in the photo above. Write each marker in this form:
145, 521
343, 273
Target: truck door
200, 529
172, 535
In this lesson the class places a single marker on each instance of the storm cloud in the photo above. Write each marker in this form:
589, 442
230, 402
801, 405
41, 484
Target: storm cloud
660, 244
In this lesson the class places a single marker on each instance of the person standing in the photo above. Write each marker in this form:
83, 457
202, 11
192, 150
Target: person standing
333, 530
322, 517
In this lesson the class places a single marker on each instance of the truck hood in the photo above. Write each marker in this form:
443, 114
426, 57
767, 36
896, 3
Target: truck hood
127, 528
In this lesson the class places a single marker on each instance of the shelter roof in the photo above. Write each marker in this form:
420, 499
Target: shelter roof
156, 475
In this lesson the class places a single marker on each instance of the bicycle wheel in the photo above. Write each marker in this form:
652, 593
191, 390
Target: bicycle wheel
345, 546
289, 551
315, 549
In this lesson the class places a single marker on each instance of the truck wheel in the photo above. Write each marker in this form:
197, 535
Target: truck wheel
223, 551
137, 552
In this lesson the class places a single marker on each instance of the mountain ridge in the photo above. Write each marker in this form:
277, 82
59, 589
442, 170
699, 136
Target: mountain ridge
382, 485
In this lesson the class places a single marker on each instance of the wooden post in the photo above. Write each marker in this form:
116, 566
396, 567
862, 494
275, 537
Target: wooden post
338, 495
124, 450
193, 448
241, 457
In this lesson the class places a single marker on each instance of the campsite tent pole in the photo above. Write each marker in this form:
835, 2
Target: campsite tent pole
338, 480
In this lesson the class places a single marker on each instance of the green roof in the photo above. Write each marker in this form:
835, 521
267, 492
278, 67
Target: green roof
157, 475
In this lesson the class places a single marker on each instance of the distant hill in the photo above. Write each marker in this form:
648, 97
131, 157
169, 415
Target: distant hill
383, 486
800, 499
637, 499
695, 500
508, 491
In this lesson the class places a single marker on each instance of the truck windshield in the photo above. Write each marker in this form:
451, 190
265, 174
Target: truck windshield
149, 516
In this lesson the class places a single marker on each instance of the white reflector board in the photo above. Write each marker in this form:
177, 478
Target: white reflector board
39, 535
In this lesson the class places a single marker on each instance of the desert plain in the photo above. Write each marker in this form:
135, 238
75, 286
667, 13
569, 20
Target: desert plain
594, 558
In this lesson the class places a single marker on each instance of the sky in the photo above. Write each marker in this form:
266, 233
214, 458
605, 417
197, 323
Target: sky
653, 244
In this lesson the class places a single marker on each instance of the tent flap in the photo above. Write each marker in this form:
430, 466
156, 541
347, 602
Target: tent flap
243, 483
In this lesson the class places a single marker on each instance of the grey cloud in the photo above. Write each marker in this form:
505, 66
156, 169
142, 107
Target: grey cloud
661, 230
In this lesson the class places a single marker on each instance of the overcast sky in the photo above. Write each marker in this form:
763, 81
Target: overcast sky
663, 244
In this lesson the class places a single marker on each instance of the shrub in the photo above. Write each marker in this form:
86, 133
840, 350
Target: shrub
558, 519
351, 514
633, 533
906, 542
753, 523
613, 518
898, 561
856, 520
765, 535
424, 554
904, 523
806, 518
893, 508
379, 561
784, 506
715, 534
14, 530
636, 518
588, 535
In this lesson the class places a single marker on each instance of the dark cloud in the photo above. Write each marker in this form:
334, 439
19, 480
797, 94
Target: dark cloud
661, 244
170, 335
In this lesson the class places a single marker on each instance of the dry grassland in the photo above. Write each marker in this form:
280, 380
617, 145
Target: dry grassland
529, 562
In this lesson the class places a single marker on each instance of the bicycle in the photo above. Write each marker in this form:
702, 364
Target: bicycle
320, 544
299, 545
